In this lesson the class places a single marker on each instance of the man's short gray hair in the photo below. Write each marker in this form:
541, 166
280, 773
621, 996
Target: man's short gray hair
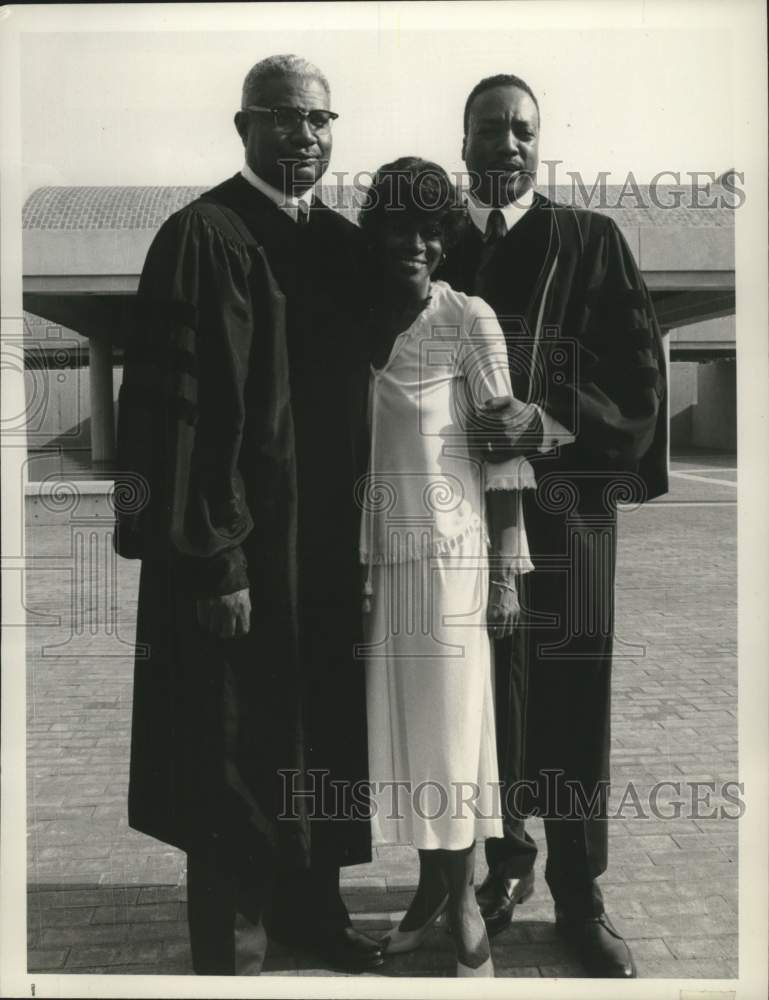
277, 66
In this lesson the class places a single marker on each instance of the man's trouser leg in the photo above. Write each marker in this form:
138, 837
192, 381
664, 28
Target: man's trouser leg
569, 768
224, 911
513, 854
576, 784
569, 696
304, 902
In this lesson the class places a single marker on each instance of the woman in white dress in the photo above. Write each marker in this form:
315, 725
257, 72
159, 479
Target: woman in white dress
435, 521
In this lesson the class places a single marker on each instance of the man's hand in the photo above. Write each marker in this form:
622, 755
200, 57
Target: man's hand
516, 423
503, 610
225, 616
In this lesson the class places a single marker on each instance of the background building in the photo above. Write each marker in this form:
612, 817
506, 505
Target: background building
84, 248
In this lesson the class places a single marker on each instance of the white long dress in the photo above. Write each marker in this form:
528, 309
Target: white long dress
432, 745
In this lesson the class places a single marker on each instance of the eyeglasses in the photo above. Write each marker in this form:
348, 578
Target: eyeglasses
288, 119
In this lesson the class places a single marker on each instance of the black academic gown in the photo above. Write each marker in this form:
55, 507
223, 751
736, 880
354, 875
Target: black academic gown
584, 344
243, 408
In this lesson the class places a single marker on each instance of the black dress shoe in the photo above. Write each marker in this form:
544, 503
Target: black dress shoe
347, 948
498, 897
338, 944
599, 945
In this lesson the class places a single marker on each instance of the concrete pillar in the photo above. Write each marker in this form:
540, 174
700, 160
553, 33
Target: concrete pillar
102, 405
714, 421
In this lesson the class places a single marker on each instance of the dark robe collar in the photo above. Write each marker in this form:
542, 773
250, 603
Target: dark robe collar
259, 211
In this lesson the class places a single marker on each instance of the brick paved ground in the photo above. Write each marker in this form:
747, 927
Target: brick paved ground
106, 899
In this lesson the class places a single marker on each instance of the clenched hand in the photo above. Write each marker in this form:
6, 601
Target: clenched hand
226, 616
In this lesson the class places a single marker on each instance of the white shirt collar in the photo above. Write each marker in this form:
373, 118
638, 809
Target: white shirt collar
289, 203
511, 213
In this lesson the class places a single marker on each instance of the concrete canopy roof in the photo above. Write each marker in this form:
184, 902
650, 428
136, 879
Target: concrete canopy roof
91, 241
76, 208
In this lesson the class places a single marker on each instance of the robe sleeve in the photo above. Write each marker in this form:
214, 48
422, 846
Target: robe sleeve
182, 408
613, 393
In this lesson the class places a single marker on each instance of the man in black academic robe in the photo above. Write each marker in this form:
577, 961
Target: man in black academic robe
241, 435
586, 357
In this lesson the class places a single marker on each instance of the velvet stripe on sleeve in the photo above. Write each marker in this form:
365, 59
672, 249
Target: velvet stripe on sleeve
183, 435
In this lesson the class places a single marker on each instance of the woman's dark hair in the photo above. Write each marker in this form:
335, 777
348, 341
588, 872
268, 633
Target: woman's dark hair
418, 189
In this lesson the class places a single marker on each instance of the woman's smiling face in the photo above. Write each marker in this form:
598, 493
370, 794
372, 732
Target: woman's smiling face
410, 248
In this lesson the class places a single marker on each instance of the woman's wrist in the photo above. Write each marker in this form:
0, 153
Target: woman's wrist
501, 567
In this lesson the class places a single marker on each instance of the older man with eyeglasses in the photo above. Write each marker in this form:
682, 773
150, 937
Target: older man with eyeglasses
243, 407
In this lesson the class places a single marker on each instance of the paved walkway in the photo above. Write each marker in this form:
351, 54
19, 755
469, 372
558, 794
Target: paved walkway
106, 899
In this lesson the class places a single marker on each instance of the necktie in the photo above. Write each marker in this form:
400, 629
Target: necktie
495, 231
495, 227
302, 213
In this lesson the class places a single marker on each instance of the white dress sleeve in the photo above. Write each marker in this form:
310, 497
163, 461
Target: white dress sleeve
483, 363
483, 359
